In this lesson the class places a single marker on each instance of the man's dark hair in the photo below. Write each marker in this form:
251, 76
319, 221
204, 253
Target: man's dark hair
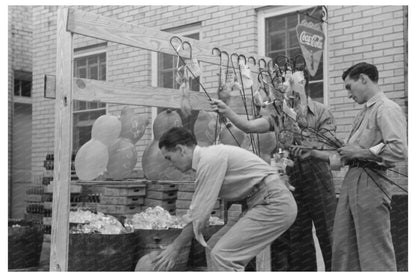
175, 136
361, 68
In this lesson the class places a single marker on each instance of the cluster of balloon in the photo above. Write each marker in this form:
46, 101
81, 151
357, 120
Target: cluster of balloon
111, 146
155, 166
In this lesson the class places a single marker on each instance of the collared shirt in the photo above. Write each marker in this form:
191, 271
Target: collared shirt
224, 171
381, 121
318, 117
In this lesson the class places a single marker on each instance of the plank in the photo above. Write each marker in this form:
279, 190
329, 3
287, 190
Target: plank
116, 93
63, 145
100, 27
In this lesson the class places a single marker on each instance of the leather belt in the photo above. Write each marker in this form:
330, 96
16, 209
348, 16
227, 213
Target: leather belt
366, 164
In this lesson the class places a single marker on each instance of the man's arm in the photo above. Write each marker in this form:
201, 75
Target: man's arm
259, 125
166, 260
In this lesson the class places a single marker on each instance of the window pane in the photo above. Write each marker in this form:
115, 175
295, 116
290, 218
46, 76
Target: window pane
292, 20
81, 72
316, 91
278, 41
293, 38
17, 87
93, 72
26, 88
276, 23
167, 79
166, 61
80, 62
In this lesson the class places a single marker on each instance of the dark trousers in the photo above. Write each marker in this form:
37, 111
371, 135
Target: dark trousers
315, 197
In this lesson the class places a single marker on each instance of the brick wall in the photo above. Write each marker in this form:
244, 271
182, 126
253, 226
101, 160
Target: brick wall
375, 34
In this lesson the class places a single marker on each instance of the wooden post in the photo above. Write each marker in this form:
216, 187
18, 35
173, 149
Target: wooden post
63, 146
263, 260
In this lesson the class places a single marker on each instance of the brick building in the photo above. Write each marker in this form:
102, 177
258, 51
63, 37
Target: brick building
376, 34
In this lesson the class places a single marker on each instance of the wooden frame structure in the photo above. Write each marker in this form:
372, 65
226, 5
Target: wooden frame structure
70, 21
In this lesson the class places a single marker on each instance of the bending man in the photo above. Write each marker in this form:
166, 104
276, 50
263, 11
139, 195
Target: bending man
233, 174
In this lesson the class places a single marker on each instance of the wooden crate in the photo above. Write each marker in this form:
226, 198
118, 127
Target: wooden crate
161, 195
185, 195
121, 200
119, 209
156, 186
125, 190
169, 205
186, 186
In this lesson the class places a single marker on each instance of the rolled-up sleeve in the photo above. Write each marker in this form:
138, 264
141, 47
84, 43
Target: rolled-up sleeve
392, 125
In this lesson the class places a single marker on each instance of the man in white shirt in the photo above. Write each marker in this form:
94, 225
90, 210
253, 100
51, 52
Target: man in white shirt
234, 174
378, 141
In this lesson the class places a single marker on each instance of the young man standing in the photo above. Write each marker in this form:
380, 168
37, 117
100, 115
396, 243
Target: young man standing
233, 174
362, 238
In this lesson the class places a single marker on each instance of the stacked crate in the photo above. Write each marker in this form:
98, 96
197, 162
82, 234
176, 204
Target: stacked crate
162, 194
47, 195
185, 192
121, 198
34, 203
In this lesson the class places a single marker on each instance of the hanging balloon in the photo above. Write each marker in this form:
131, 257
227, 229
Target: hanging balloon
156, 167
91, 160
204, 128
122, 159
133, 126
106, 129
165, 121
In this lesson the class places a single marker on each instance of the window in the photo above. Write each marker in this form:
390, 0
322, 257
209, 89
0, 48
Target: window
281, 39
85, 113
167, 78
23, 83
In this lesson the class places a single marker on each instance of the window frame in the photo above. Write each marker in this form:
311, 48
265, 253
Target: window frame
21, 75
86, 52
263, 14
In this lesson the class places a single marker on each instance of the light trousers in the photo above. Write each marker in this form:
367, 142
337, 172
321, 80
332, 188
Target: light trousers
362, 237
271, 211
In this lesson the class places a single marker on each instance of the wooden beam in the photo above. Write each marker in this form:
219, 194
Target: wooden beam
63, 146
100, 27
117, 93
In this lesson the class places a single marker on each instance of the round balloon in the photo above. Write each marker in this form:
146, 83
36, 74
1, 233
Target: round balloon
156, 167
165, 121
106, 129
267, 142
204, 128
122, 159
133, 126
91, 160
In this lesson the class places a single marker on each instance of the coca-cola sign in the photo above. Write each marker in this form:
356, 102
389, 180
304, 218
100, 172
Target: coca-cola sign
311, 40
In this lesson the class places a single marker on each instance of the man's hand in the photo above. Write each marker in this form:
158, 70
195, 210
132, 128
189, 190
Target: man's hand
350, 152
166, 260
301, 153
219, 106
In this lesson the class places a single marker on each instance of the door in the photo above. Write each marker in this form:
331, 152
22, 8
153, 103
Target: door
21, 157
